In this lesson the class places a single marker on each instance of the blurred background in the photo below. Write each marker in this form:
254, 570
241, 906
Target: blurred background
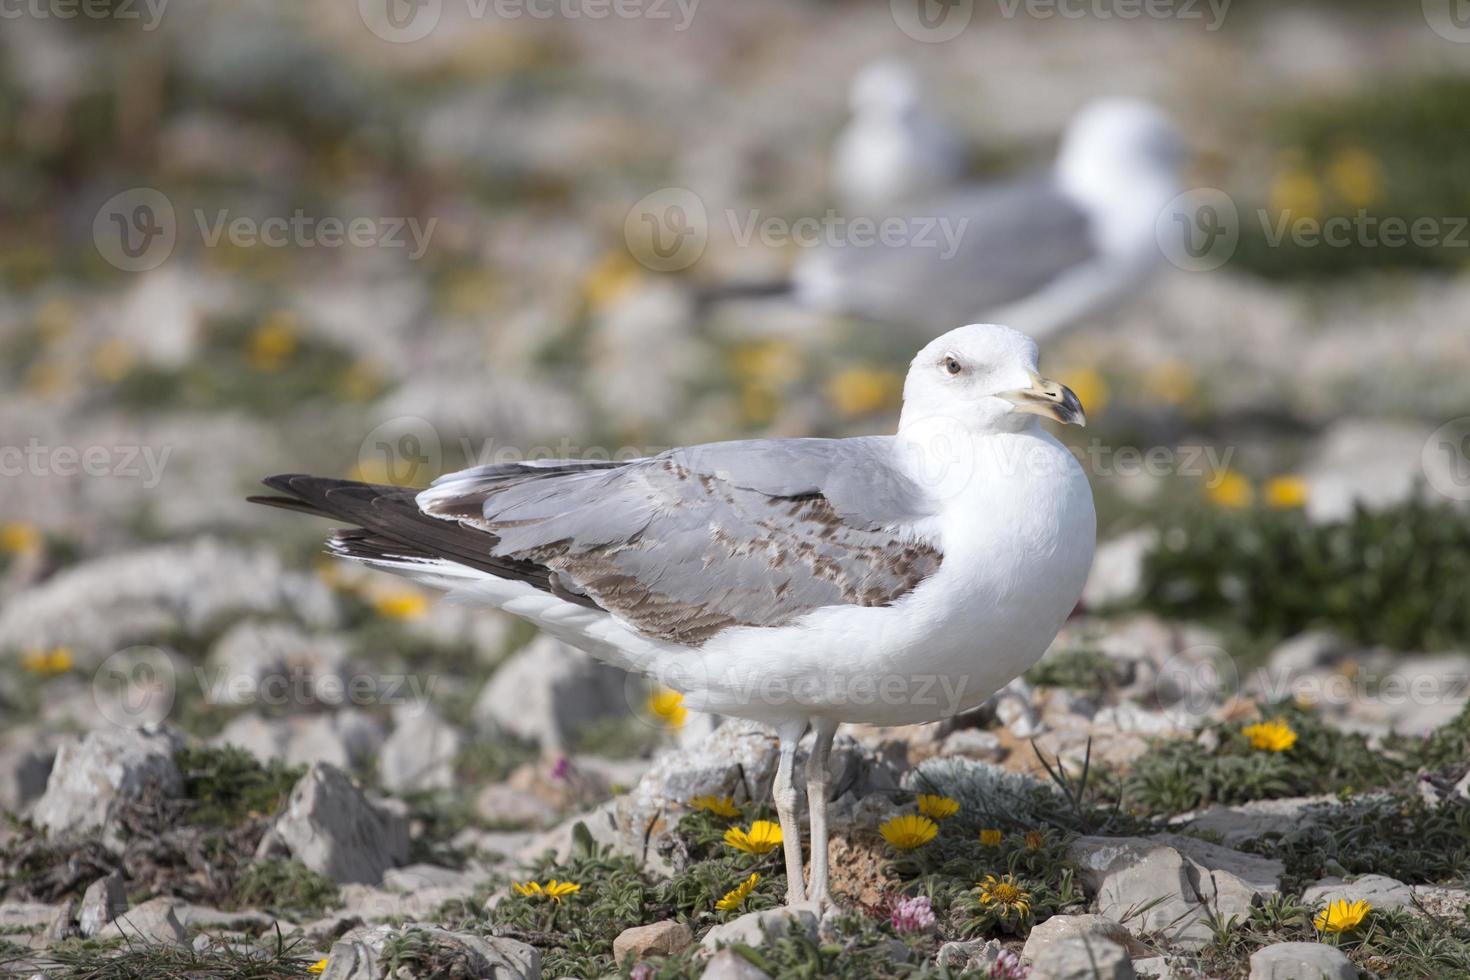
384, 240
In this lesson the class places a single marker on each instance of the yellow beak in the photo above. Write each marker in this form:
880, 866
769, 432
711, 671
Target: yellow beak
1049, 399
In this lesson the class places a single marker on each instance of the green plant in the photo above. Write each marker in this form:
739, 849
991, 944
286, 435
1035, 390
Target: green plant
1398, 577
117, 959
1078, 670
287, 888
228, 785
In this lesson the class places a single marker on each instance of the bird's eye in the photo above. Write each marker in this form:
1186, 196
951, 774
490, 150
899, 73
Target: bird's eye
952, 365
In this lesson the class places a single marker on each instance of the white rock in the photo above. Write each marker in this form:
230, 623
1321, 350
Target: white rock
758, 928
1304, 652
96, 774
1301, 961
548, 692
25, 767
730, 965
1082, 957
1368, 461
1246, 821
1379, 891
104, 900
359, 954
1117, 568
346, 739
654, 939
1060, 928
260, 663
420, 753
974, 743
332, 828
154, 921
969, 955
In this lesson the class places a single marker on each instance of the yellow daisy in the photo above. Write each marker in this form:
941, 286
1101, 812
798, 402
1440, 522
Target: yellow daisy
733, 898
1270, 736
319, 966
1285, 492
1034, 840
1342, 916
909, 831
19, 538
48, 663
991, 837
1232, 491
762, 837
401, 604
937, 807
668, 707
553, 889
720, 806
1004, 894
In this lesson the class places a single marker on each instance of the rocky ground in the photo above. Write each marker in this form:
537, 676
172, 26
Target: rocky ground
221, 755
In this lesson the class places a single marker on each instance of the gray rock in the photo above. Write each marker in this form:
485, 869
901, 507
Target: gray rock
1153, 966
506, 805
359, 954
1117, 568
654, 939
332, 828
974, 743
1304, 652
1014, 709
25, 767
1379, 891
277, 664
730, 965
1060, 928
1369, 461
1301, 961
757, 928
29, 923
1247, 821
1184, 878
347, 738
107, 768
420, 753
1082, 957
548, 692
104, 900
969, 954
156, 920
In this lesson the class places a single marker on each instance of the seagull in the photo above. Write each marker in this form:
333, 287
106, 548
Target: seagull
892, 579
892, 150
1040, 252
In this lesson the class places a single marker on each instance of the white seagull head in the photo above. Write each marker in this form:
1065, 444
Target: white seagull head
984, 378
1115, 148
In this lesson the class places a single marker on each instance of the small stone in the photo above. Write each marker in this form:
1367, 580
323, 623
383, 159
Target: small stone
420, 753
548, 692
1379, 891
1081, 957
1301, 961
1303, 653
969, 955
156, 920
730, 965
755, 929
104, 900
655, 939
1117, 568
1062, 927
330, 826
974, 743
359, 954
105, 769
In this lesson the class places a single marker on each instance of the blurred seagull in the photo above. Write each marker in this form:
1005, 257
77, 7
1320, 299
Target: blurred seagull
799, 582
892, 150
1039, 252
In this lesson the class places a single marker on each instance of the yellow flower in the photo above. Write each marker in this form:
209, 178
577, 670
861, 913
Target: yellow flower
1342, 916
55, 319
113, 360
1034, 840
1232, 491
1356, 176
1296, 193
553, 889
1270, 736
1090, 388
48, 663
909, 831
762, 838
858, 391
937, 807
1004, 894
610, 278
720, 806
1171, 382
766, 362
668, 707
273, 343
19, 538
1285, 492
401, 604
319, 966
739, 894
991, 838
360, 381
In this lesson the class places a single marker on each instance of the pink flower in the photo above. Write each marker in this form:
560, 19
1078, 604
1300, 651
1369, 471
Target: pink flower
1008, 966
562, 769
643, 971
911, 915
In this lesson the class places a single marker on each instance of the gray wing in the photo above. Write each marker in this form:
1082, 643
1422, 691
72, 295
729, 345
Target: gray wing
687, 543
1007, 242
